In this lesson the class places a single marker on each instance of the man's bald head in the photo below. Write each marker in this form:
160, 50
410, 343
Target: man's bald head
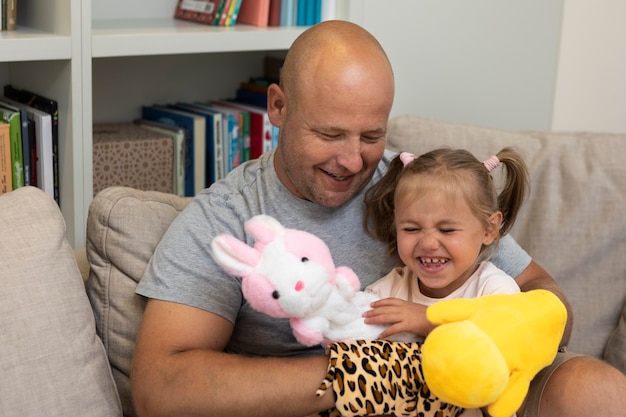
333, 53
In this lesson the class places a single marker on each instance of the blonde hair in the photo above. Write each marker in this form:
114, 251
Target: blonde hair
452, 172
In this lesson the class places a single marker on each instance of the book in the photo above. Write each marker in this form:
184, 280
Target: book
274, 13
302, 10
260, 128
223, 14
33, 152
195, 128
245, 95
11, 15
254, 12
49, 106
233, 146
288, 12
214, 136
317, 12
233, 13
6, 172
42, 134
244, 127
11, 115
25, 138
201, 11
221, 4
178, 164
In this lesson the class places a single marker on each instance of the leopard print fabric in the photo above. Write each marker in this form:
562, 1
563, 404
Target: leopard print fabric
379, 377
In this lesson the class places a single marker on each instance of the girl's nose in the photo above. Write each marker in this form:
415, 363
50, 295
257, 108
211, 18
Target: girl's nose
428, 241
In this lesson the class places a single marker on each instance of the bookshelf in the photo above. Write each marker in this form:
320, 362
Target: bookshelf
103, 59
44, 55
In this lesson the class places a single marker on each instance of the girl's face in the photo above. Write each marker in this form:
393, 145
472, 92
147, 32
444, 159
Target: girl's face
439, 239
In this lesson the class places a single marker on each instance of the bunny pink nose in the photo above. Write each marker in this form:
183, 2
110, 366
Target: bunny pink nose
299, 286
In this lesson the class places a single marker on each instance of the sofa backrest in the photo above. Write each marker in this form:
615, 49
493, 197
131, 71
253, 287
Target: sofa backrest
124, 226
573, 222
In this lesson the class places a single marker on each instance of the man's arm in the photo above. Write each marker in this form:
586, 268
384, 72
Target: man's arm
180, 368
535, 277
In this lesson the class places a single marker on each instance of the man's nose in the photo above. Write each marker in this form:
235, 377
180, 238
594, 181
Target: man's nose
350, 156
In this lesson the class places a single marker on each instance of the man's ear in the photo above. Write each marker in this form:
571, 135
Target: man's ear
276, 105
493, 229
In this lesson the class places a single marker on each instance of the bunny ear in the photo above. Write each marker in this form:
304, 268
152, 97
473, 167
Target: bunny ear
264, 228
234, 256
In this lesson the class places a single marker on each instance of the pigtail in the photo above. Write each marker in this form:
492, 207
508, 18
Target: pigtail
379, 206
515, 188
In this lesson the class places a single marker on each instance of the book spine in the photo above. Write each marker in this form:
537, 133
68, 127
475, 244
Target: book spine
26, 156
15, 134
11, 15
6, 174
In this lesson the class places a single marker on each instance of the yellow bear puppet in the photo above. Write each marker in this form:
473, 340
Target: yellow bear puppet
485, 351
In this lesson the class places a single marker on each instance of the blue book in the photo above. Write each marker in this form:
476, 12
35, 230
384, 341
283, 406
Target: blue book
195, 136
317, 11
303, 8
214, 159
251, 97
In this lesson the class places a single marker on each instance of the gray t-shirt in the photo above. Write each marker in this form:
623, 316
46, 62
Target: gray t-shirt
183, 271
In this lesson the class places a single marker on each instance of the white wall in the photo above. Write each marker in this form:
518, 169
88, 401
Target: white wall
591, 83
519, 64
489, 62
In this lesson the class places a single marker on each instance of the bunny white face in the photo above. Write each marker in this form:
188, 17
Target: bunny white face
300, 284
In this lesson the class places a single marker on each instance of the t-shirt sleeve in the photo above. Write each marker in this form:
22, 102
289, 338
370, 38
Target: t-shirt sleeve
510, 257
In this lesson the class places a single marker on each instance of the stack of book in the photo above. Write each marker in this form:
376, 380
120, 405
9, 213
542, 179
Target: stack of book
216, 136
209, 12
29, 141
257, 12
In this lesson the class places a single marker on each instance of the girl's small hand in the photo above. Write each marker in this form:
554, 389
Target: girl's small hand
400, 315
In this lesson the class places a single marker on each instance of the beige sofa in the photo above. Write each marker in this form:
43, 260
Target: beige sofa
53, 363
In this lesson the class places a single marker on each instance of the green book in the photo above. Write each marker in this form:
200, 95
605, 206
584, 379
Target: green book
11, 115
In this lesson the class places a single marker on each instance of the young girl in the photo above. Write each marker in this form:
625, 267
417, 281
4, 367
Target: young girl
442, 215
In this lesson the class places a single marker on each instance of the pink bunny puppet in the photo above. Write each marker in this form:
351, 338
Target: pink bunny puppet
290, 273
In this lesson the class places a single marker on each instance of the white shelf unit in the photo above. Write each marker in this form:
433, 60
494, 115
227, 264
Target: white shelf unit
103, 59
105, 69
44, 55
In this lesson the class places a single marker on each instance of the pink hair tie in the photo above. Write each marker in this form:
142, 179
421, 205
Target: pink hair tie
407, 158
491, 163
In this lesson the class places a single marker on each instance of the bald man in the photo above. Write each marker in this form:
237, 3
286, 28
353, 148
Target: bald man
201, 349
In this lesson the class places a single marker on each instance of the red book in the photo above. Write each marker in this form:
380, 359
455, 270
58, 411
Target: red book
201, 11
254, 12
274, 17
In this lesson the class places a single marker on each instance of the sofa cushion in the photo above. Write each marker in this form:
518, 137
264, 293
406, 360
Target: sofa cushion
124, 226
573, 221
51, 361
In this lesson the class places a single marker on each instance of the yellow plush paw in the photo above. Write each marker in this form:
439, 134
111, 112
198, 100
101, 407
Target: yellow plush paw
485, 351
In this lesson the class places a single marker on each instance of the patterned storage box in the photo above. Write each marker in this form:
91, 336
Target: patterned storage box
130, 155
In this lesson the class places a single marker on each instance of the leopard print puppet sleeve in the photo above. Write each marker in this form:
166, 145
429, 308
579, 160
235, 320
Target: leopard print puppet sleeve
379, 377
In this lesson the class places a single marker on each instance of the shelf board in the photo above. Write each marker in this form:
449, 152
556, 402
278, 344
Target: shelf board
25, 44
136, 37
